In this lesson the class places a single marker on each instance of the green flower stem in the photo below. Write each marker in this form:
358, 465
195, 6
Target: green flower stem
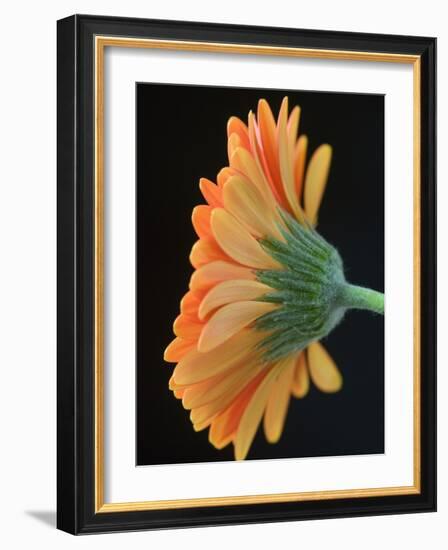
358, 297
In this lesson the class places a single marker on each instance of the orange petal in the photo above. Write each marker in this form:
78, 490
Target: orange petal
210, 389
178, 349
229, 320
233, 143
251, 417
206, 413
197, 366
211, 192
244, 201
301, 380
238, 243
268, 134
293, 127
316, 181
187, 327
225, 424
299, 164
224, 174
205, 251
190, 303
323, 370
203, 416
218, 442
237, 126
269, 189
210, 274
278, 401
201, 220
172, 384
198, 426
286, 162
244, 162
228, 292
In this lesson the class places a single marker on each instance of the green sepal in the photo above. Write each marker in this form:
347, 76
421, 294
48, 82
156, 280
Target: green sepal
307, 288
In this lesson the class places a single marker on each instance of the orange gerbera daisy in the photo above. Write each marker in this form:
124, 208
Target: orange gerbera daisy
266, 286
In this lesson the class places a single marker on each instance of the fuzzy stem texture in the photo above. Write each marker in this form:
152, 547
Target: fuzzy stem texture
358, 297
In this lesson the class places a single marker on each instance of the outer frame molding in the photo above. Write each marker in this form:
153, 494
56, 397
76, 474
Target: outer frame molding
81, 42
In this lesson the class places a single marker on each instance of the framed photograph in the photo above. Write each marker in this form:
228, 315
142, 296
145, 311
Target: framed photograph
246, 274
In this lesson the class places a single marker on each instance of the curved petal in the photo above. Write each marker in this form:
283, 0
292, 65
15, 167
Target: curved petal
268, 136
293, 127
177, 349
238, 243
200, 218
206, 413
299, 164
244, 162
251, 417
210, 274
233, 143
224, 174
187, 327
228, 292
286, 163
204, 392
190, 303
211, 192
237, 126
246, 203
323, 370
205, 251
301, 381
218, 441
269, 192
197, 366
229, 320
225, 424
278, 401
316, 181
172, 384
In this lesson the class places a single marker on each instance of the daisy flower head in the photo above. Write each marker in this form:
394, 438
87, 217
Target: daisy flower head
266, 287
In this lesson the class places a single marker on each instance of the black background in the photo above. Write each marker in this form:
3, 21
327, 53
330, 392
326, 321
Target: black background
181, 136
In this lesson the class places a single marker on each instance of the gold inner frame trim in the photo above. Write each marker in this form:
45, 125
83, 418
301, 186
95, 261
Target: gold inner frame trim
101, 42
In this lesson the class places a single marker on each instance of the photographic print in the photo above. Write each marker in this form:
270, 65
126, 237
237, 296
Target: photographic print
246, 274
260, 274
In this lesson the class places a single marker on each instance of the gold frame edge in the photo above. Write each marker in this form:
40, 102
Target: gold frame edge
101, 42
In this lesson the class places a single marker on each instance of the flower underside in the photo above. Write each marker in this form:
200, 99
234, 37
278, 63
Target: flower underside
266, 289
307, 290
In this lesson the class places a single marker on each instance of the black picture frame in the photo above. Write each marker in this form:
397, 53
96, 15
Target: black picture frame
76, 510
